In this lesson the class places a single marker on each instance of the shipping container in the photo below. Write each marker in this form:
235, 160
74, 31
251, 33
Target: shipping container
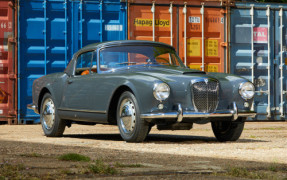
258, 40
197, 29
8, 80
51, 31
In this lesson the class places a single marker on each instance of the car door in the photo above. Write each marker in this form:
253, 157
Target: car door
80, 89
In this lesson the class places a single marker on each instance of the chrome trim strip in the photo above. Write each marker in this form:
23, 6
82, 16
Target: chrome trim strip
235, 111
159, 115
195, 115
33, 107
227, 113
180, 114
252, 115
82, 110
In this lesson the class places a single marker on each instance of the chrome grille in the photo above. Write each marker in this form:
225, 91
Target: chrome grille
205, 95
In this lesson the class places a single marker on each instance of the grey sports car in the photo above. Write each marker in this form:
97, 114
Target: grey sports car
136, 85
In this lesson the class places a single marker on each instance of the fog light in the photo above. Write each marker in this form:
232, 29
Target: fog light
160, 106
246, 104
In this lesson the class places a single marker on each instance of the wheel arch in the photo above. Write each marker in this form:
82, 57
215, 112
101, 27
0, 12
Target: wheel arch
112, 109
41, 95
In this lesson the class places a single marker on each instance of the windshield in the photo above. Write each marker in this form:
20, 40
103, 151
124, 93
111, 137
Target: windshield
118, 57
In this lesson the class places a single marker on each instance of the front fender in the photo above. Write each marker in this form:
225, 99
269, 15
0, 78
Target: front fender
230, 85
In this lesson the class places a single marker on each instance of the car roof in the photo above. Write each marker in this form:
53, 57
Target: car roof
120, 42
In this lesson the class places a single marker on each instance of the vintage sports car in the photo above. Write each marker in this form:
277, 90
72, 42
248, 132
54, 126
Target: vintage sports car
136, 85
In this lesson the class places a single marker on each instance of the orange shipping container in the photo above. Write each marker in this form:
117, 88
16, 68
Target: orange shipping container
8, 93
180, 24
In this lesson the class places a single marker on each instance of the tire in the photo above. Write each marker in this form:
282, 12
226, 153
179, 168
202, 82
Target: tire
132, 128
227, 130
52, 125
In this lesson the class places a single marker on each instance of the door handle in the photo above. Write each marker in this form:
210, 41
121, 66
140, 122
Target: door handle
70, 81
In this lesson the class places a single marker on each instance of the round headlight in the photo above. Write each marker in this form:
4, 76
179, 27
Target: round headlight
161, 91
246, 90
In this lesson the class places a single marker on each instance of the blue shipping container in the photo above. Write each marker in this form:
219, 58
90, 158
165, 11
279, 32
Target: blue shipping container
258, 40
51, 31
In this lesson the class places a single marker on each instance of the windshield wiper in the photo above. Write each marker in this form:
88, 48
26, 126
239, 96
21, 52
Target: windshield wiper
127, 63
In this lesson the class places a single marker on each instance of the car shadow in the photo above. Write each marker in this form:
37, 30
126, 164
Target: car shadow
160, 138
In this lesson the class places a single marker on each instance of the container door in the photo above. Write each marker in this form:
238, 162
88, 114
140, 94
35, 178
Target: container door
280, 61
153, 23
7, 64
97, 21
202, 37
252, 54
43, 47
181, 24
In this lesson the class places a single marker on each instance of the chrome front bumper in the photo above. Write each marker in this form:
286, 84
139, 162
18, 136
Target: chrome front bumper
179, 114
33, 107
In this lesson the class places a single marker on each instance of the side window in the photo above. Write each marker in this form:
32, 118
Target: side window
110, 59
84, 63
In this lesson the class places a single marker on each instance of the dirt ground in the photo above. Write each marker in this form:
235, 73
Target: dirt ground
260, 153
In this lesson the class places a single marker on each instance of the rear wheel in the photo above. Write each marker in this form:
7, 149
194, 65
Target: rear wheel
227, 130
132, 128
52, 125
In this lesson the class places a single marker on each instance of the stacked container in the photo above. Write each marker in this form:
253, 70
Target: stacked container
8, 67
258, 53
51, 31
248, 40
195, 28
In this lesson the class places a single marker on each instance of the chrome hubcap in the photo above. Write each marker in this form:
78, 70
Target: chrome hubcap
127, 115
48, 113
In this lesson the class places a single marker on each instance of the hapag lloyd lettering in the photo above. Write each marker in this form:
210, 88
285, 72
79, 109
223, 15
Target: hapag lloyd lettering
142, 22
149, 22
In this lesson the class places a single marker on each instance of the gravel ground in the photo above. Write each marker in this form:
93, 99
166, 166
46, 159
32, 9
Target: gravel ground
168, 154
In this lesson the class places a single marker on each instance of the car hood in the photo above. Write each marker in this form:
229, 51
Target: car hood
178, 76
170, 70
169, 74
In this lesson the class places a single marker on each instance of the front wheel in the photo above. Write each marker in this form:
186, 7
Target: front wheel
52, 125
227, 130
132, 128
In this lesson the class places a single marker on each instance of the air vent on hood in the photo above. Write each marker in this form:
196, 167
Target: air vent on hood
194, 72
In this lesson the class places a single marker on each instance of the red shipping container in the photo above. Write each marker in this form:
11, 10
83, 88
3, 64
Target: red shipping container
197, 29
8, 56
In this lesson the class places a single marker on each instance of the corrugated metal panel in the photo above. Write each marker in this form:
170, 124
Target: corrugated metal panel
181, 24
258, 46
7, 63
52, 31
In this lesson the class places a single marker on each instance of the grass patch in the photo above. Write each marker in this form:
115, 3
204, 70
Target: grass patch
66, 171
74, 157
10, 171
278, 168
99, 167
242, 172
273, 128
120, 165
31, 155
253, 137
